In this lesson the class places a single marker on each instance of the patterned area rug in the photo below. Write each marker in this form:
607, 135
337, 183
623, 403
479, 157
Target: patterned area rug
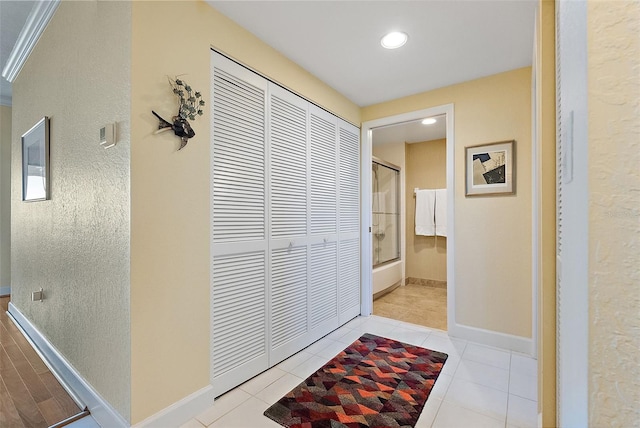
375, 382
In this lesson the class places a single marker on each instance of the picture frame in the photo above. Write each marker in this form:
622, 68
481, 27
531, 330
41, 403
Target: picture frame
490, 169
35, 162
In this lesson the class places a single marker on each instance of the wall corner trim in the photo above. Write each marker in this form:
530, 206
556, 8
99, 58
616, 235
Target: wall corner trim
505, 341
80, 390
34, 27
181, 411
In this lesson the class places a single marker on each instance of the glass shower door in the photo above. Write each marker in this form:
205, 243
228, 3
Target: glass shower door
385, 212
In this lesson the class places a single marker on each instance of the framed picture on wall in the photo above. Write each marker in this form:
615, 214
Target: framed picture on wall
491, 169
35, 162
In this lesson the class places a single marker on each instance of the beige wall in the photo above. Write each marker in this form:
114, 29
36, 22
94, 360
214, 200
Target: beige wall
493, 234
613, 32
546, 134
170, 191
5, 197
391, 152
76, 245
426, 169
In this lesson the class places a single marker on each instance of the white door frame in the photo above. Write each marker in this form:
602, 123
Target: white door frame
366, 296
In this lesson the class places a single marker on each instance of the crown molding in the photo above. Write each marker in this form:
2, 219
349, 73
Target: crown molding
36, 23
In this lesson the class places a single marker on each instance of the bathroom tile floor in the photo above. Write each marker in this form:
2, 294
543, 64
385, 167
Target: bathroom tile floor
479, 386
418, 304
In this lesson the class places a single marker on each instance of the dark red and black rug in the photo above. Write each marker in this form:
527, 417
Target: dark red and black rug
375, 382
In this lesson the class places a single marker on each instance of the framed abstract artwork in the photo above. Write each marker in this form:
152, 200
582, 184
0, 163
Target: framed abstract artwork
490, 169
35, 162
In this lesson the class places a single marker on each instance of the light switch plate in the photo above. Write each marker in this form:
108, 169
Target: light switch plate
108, 135
37, 296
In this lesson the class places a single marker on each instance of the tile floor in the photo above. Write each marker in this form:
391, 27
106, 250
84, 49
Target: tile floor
415, 303
478, 387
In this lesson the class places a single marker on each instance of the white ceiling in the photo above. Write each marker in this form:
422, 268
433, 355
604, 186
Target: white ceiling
450, 41
410, 132
13, 15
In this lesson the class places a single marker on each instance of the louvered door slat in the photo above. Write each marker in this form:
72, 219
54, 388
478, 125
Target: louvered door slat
230, 139
323, 175
288, 294
349, 283
324, 283
349, 180
238, 187
238, 310
288, 169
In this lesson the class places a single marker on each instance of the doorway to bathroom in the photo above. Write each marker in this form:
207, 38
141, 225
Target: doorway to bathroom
411, 239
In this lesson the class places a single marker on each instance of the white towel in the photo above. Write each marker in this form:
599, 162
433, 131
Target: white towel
425, 205
441, 212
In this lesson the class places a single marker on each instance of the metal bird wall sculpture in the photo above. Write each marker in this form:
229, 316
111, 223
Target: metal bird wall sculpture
190, 105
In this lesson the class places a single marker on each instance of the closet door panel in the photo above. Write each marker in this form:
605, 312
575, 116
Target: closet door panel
349, 274
288, 145
324, 172
349, 247
238, 159
239, 265
349, 188
239, 319
323, 287
288, 166
323, 261
289, 324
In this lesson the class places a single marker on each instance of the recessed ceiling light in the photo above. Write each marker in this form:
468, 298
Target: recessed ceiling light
394, 40
429, 121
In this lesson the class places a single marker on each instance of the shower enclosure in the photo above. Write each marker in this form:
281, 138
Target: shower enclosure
385, 212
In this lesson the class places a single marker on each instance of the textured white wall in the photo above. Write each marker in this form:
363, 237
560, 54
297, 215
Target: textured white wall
76, 246
614, 213
5, 197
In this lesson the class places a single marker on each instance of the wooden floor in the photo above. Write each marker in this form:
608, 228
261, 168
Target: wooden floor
416, 304
30, 396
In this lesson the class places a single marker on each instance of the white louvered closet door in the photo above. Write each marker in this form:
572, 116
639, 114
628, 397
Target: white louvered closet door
288, 170
349, 221
284, 224
239, 269
323, 261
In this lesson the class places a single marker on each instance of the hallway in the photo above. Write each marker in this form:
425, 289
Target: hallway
478, 386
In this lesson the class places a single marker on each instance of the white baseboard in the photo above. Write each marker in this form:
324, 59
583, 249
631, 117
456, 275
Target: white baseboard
496, 339
75, 384
181, 411
5, 290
